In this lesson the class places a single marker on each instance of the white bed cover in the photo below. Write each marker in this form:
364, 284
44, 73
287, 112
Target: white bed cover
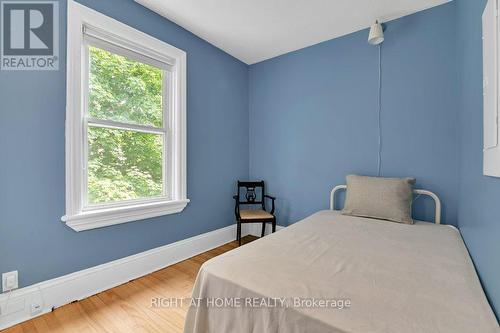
398, 278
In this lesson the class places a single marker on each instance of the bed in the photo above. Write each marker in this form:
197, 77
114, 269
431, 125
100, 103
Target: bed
336, 273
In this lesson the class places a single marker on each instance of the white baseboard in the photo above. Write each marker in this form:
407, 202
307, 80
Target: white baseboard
16, 307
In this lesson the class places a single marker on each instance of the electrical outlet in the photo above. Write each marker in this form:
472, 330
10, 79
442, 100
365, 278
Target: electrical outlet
36, 303
36, 307
10, 281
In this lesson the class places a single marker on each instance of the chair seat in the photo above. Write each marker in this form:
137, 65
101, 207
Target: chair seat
255, 214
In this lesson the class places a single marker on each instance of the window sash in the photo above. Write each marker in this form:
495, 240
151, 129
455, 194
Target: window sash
166, 84
87, 205
167, 163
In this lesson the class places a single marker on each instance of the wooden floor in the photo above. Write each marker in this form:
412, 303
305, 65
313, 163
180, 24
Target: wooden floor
127, 308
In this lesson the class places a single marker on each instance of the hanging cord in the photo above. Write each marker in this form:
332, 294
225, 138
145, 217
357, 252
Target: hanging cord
379, 162
9, 292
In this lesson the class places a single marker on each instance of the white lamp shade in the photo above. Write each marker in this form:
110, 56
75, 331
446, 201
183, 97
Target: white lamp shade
376, 34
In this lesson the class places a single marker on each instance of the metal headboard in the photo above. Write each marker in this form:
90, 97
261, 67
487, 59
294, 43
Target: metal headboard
437, 202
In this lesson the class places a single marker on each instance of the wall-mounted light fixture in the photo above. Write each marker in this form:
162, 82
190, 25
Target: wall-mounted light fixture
376, 35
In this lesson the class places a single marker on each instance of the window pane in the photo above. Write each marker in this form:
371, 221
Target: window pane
124, 90
123, 165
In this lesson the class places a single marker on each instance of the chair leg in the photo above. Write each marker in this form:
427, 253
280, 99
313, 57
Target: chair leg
263, 229
238, 233
274, 225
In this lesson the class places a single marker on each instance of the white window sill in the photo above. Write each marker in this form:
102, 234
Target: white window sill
116, 215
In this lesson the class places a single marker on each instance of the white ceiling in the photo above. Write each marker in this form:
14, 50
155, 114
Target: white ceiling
256, 30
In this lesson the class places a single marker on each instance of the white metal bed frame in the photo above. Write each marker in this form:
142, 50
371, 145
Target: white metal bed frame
437, 202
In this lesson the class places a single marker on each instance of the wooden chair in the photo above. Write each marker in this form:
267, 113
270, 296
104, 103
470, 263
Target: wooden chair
250, 199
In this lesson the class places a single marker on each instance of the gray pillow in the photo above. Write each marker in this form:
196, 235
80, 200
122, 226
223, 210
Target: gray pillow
380, 198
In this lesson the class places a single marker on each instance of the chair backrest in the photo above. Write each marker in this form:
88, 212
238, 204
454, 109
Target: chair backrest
251, 193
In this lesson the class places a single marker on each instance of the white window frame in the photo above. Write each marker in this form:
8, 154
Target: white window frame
86, 26
491, 89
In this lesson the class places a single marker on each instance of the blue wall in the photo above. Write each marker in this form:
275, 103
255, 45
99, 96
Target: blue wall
479, 209
312, 120
313, 114
32, 113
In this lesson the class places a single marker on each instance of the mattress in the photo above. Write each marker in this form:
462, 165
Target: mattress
336, 273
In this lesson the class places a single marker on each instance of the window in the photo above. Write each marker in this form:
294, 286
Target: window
125, 123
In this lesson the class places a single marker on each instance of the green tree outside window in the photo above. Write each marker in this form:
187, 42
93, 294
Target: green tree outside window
124, 164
